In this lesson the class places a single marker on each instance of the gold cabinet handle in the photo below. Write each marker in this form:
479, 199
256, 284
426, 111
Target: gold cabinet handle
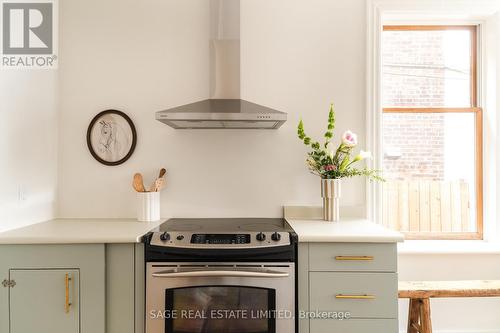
354, 258
67, 304
342, 296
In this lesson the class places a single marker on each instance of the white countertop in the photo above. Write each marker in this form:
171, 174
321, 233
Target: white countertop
346, 230
73, 231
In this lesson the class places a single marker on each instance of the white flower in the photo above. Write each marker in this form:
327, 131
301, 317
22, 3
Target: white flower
365, 154
349, 139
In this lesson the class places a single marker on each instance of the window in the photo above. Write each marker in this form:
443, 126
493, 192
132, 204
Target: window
432, 132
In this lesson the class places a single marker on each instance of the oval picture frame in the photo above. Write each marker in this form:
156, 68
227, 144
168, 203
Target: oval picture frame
111, 137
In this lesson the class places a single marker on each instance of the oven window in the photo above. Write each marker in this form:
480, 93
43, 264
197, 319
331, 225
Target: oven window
220, 309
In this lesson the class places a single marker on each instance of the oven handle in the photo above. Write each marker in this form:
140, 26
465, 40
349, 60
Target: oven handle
220, 273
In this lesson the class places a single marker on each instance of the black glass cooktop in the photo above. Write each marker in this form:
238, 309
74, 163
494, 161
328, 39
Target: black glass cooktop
211, 225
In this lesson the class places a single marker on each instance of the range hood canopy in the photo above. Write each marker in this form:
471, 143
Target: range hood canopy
222, 113
224, 109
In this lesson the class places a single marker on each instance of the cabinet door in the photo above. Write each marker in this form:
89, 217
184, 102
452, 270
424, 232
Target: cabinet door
44, 301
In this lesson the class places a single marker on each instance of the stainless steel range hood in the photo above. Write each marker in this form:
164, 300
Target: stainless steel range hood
224, 109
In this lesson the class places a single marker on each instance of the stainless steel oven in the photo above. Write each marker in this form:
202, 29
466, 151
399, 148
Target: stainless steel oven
220, 297
221, 276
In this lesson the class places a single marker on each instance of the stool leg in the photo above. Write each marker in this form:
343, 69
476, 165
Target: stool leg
425, 318
413, 315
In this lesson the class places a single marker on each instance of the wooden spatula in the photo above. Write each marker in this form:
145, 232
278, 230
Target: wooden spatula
138, 183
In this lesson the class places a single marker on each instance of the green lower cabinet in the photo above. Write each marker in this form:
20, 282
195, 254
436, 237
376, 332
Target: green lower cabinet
52, 288
358, 278
125, 288
44, 300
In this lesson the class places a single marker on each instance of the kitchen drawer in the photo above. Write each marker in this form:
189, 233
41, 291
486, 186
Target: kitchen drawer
369, 257
364, 295
354, 326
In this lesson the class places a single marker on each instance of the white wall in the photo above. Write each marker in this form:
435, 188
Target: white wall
297, 56
142, 56
138, 57
28, 146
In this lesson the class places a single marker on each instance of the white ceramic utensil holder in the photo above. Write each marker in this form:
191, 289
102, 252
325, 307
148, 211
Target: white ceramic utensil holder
148, 206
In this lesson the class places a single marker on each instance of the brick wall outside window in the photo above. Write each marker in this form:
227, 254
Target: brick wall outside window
414, 146
413, 75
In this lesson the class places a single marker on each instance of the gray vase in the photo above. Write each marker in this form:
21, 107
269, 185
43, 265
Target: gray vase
330, 192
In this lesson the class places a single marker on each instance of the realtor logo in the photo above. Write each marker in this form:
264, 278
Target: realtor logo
28, 34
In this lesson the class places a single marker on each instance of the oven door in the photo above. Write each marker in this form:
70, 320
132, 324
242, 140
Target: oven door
220, 298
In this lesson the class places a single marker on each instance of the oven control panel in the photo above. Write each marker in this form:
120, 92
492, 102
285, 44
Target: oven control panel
218, 240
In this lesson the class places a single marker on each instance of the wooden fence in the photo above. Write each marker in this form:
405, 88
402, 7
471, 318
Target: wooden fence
428, 206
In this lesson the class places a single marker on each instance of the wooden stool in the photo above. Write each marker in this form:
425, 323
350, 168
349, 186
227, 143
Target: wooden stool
419, 293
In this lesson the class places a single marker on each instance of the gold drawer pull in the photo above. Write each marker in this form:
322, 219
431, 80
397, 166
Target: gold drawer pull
354, 258
67, 304
341, 296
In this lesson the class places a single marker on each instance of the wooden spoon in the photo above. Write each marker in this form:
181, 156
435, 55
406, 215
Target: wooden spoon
138, 183
158, 185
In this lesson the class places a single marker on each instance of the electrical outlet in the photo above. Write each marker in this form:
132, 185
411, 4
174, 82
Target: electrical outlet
21, 194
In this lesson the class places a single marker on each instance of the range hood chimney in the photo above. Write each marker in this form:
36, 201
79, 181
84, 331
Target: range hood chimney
224, 108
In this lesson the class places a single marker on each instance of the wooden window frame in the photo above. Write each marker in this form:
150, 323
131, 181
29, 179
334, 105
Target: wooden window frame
478, 114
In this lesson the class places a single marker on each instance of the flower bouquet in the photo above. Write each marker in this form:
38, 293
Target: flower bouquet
333, 165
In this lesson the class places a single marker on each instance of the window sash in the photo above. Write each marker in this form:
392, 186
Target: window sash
473, 47
478, 112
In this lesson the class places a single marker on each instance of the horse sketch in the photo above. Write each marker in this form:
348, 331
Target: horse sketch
111, 141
